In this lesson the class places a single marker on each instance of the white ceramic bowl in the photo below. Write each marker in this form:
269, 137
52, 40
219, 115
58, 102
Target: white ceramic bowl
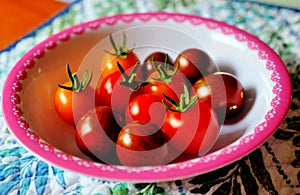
29, 89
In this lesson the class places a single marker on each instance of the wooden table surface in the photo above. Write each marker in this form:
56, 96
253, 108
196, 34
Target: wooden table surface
20, 17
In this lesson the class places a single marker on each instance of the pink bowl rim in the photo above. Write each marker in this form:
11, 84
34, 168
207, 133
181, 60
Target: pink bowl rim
20, 128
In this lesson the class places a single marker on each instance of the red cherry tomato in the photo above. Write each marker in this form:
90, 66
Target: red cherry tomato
194, 63
148, 67
71, 105
146, 108
159, 88
96, 134
170, 76
106, 87
121, 54
176, 83
113, 93
63, 103
110, 62
142, 145
193, 120
192, 132
223, 91
73, 98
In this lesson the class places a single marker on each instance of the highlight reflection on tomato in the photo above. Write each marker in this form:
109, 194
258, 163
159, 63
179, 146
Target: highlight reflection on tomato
146, 108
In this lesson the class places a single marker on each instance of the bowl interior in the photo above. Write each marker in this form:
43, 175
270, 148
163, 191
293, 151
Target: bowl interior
85, 51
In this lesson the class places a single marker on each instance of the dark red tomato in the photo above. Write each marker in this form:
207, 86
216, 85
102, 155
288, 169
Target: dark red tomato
142, 145
194, 131
222, 91
195, 63
148, 67
71, 105
96, 134
146, 108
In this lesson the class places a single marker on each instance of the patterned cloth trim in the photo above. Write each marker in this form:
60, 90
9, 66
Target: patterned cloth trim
270, 5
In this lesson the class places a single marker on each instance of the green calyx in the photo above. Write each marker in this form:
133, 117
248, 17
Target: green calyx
164, 72
76, 84
119, 50
129, 80
185, 102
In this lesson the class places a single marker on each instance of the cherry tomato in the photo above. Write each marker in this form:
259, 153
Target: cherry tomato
106, 87
121, 54
175, 84
223, 91
142, 145
71, 105
96, 134
73, 98
63, 103
128, 61
158, 88
117, 89
147, 67
196, 122
194, 63
167, 75
146, 108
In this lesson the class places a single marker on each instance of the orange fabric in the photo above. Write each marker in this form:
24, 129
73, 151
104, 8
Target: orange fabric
19, 17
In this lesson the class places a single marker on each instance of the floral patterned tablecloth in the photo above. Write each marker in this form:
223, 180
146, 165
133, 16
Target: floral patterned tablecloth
274, 168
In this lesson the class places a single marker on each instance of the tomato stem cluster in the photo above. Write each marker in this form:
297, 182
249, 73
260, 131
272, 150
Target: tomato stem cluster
164, 72
184, 103
129, 80
76, 84
120, 51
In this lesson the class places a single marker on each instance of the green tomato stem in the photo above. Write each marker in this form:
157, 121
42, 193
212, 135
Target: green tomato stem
76, 84
185, 102
119, 51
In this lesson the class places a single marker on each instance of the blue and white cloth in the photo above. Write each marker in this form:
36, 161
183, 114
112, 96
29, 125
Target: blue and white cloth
274, 168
